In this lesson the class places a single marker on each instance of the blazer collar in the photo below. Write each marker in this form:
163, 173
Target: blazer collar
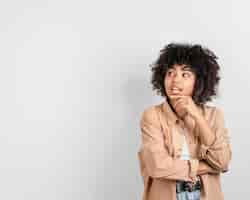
169, 113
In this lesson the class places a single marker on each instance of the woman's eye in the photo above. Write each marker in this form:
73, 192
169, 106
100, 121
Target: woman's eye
186, 74
170, 72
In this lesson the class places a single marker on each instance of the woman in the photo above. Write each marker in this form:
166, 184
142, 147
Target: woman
185, 144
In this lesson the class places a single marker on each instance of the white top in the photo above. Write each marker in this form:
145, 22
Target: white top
185, 152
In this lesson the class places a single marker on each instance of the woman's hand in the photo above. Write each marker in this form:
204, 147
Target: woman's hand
185, 105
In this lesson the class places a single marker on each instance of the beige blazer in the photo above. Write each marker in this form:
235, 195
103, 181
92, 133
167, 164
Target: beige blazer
161, 147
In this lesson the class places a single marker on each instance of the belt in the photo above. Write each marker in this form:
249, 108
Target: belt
182, 186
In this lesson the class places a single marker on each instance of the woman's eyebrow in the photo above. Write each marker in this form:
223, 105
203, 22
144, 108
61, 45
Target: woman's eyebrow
187, 67
184, 67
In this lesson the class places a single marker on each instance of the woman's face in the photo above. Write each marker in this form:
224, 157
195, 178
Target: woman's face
179, 80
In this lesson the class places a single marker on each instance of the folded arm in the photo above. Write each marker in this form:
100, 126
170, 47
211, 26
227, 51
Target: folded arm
218, 153
154, 157
205, 168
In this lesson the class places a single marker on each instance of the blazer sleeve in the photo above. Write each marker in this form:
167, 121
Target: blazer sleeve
205, 168
219, 153
154, 155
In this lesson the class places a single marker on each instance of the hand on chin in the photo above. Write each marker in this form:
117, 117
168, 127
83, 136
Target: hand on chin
180, 111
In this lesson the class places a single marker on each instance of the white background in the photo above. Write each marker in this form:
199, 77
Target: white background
75, 77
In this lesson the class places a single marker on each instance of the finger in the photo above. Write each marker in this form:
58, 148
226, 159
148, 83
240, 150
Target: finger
177, 96
174, 97
181, 107
179, 101
176, 102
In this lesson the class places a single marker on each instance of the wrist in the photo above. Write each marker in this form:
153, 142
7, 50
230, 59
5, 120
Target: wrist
194, 164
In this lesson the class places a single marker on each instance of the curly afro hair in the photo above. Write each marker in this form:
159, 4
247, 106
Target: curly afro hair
202, 62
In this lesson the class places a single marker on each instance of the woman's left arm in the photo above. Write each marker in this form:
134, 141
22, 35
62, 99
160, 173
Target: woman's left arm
215, 141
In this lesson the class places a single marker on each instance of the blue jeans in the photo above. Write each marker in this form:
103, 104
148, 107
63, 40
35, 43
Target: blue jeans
186, 195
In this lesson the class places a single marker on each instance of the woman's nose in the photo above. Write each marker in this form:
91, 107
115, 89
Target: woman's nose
176, 77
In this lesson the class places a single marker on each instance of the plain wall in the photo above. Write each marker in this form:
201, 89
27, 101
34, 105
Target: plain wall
75, 77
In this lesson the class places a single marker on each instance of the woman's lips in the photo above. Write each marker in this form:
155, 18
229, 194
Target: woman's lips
175, 90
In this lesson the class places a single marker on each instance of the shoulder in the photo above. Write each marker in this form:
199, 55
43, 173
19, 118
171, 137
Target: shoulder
214, 113
211, 109
150, 114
